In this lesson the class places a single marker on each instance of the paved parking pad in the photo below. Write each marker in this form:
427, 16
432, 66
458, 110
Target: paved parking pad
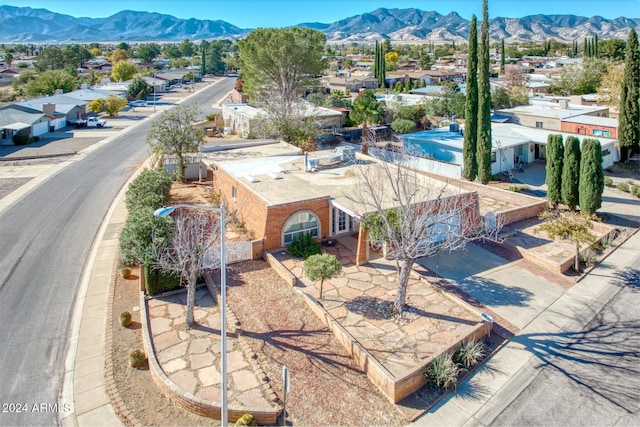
508, 289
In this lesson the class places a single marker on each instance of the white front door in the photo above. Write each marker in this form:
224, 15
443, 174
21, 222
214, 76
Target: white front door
341, 222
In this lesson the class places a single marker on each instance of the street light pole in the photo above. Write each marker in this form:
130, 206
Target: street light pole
167, 210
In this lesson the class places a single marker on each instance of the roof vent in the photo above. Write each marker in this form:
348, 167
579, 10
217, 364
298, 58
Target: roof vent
252, 178
274, 175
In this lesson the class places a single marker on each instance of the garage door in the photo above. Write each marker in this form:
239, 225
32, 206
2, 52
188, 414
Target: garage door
40, 128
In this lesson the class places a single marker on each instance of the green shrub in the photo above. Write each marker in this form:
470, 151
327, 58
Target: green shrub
608, 181
304, 247
149, 189
138, 233
442, 372
20, 139
125, 318
470, 354
126, 273
623, 186
137, 359
517, 188
158, 281
635, 190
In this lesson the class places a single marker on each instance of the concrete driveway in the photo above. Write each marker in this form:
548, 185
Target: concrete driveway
511, 291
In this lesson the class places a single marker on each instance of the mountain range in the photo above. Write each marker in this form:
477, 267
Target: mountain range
27, 25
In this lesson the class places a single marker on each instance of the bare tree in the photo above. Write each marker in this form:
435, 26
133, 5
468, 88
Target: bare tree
291, 119
414, 216
515, 76
193, 249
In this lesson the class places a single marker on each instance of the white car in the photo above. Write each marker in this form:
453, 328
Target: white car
95, 122
140, 103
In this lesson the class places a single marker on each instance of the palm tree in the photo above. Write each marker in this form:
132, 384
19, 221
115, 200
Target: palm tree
366, 110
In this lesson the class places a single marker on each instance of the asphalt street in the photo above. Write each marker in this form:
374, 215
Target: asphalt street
589, 377
45, 238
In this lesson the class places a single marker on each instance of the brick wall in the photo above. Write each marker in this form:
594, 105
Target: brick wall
278, 215
585, 129
266, 222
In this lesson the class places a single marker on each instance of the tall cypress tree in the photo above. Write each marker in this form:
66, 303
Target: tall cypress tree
483, 156
470, 169
595, 46
628, 128
502, 58
555, 156
571, 172
591, 176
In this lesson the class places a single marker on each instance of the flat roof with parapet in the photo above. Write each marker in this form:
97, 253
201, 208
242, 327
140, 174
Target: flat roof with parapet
592, 120
509, 135
551, 110
276, 173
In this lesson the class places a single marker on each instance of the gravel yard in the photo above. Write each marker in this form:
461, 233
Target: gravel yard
326, 386
8, 185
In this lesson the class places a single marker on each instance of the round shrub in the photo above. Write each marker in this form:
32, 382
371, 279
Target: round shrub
137, 359
150, 189
125, 318
20, 139
623, 186
126, 272
246, 420
304, 247
608, 181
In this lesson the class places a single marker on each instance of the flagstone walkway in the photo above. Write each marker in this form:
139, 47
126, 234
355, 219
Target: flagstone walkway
361, 298
191, 358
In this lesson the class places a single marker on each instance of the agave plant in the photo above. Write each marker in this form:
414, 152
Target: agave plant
470, 353
442, 372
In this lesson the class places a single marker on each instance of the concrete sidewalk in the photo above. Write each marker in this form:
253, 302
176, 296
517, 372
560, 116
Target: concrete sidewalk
482, 397
84, 381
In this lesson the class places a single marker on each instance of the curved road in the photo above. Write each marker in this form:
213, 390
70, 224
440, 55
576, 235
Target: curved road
45, 239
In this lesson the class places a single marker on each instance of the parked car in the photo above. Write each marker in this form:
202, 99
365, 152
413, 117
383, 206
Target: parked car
95, 122
79, 123
177, 85
140, 103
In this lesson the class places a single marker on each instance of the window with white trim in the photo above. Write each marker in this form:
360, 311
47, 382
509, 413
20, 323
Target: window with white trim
300, 224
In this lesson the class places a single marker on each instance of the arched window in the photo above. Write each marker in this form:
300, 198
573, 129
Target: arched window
300, 224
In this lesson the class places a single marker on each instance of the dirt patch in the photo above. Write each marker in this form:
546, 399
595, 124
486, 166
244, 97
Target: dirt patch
9, 185
191, 192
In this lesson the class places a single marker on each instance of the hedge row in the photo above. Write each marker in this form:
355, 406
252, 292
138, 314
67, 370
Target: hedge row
148, 192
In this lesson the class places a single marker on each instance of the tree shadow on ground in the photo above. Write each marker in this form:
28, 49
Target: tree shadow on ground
492, 293
379, 309
306, 343
604, 358
629, 278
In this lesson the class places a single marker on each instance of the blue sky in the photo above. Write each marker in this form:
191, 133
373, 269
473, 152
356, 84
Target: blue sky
279, 13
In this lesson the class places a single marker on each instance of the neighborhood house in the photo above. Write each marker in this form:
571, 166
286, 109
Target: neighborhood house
281, 193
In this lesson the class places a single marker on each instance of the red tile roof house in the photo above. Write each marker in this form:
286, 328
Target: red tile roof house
280, 193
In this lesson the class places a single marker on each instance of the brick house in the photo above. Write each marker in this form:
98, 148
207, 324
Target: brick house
281, 193
594, 126
549, 113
